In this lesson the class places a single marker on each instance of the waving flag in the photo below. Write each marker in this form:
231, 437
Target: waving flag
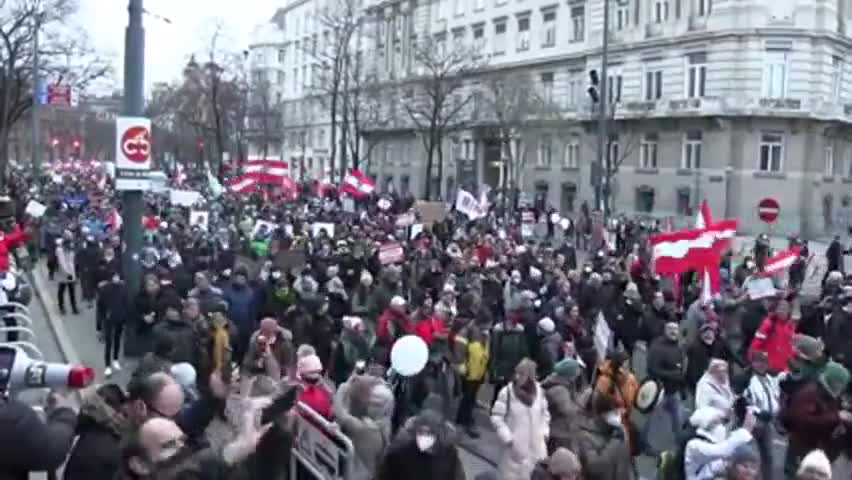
779, 262
684, 250
264, 172
357, 184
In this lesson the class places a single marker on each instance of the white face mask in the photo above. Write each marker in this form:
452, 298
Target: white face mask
425, 441
613, 418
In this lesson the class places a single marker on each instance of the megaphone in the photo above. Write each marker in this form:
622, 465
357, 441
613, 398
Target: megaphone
20, 372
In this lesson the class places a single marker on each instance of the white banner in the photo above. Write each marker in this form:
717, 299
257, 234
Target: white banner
184, 198
467, 204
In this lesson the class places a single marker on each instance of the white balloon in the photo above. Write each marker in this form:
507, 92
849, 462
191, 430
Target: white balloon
409, 355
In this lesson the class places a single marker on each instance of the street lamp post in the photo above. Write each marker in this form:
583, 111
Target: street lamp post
134, 106
602, 187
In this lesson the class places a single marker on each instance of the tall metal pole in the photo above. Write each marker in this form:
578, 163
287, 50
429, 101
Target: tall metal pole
134, 106
36, 133
603, 120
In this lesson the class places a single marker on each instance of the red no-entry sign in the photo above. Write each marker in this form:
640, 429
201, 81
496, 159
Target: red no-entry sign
768, 210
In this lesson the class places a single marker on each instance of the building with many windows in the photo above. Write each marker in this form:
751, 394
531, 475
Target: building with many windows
729, 100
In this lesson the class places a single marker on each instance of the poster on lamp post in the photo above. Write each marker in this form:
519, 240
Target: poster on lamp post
132, 153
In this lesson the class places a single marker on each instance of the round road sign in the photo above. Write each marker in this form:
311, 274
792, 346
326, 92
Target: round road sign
768, 210
136, 144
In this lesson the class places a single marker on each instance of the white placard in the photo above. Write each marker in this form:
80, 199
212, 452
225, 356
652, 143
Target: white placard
415, 230
760, 288
199, 218
328, 227
384, 204
391, 252
184, 198
35, 209
270, 227
348, 205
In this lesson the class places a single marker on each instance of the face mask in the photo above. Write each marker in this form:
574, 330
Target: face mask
613, 419
425, 441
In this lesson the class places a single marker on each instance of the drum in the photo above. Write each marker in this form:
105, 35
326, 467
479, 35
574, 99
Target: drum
649, 395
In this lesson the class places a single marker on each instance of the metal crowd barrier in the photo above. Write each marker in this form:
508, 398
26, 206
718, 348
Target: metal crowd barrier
319, 447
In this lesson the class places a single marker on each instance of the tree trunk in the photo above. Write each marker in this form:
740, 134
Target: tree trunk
427, 191
332, 154
440, 152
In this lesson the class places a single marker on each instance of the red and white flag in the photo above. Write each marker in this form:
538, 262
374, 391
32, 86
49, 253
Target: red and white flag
684, 250
357, 184
711, 279
242, 184
113, 220
779, 262
263, 172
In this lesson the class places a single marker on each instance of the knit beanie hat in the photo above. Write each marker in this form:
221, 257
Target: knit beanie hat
563, 462
309, 365
815, 462
807, 347
569, 369
834, 378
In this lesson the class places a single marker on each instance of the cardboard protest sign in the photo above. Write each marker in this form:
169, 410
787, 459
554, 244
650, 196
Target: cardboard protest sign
184, 198
406, 219
260, 225
35, 209
318, 226
199, 218
391, 252
431, 212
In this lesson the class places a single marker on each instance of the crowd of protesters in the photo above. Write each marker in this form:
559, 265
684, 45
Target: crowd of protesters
233, 318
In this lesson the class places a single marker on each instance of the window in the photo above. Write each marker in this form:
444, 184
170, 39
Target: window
622, 15
549, 33
578, 23
523, 33
404, 184
653, 84
837, 79
704, 7
458, 7
572, 154
545, 150
661, 11
614, 84
771, 152
576, 88
828, 169
479, 37
648, 151
499, 37
775, 74
458, 39
479, 5
569, 196
547, 87
696, 75
684, 206
281, 78
645, 199
468, 150
321, 138
281, 55
691, 156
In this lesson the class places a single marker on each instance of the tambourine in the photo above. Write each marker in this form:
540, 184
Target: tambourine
649, 395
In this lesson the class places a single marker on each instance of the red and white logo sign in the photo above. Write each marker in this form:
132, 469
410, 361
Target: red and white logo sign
391, 252
768, 210
133, 143
136, 144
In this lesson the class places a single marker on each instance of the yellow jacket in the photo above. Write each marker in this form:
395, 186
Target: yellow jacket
476, 361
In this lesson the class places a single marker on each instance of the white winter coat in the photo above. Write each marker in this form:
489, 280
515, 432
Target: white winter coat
708, 393
526, 427
705, 460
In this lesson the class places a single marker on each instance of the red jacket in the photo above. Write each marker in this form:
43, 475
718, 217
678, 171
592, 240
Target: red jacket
775, 337
429, 328
9, 242
317, 397
392, 325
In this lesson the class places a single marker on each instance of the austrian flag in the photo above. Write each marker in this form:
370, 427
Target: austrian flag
693, 249
357, 184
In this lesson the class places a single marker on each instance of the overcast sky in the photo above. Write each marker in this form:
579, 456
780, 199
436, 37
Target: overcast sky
168, 46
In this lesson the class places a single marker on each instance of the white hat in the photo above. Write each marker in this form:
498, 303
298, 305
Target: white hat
352, 322
448, 288
184, 374
816, 461
397, 301
534, 272
309, 365
546, 325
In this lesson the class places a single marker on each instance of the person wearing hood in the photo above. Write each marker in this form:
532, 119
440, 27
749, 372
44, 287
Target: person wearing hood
393, 323
744, 464
315, 393
666, 364
813, 412
522, 420
426, 452
707, 345
474, 372
360, 299
66, 258
561, 465
714, 388
601, 442
815, 466
564, 402
101, 425
549, 346
363, 411
354, 347
618, 383
242, 308
707, 455
208, 296
338, 298
764, 395
508, 347
88, 259
270, 350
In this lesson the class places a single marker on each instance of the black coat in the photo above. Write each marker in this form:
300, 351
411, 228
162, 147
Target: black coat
27, 444
407, 461
97, 453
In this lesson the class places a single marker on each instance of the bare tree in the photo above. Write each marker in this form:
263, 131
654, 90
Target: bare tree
363, 101
516, 109
66, 57
264, 116
439, 98
622, 142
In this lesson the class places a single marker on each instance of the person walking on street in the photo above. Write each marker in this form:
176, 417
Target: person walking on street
65, 258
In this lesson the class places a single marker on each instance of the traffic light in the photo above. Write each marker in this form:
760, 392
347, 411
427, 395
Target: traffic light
595, 85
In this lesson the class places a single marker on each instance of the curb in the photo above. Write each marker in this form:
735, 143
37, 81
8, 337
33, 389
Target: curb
55, 321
